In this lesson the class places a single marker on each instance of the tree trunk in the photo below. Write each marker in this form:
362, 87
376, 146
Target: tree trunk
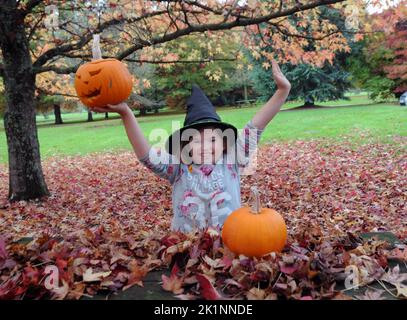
309, 102
26, 179
245, 92
90, 116
106, 115
57, 113
143, 111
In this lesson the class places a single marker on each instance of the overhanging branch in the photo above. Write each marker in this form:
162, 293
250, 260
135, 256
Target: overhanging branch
50, 93
191, 28
238, 22
297, 35
73, 69
45, 57
179, 61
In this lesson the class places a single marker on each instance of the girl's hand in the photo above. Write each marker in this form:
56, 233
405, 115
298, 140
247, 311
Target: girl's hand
280, 79
120, 108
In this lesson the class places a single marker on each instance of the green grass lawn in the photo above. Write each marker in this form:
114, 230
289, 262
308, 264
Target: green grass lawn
358, 119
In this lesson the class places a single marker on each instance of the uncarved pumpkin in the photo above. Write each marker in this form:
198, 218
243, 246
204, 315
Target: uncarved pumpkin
103, 81
255, 231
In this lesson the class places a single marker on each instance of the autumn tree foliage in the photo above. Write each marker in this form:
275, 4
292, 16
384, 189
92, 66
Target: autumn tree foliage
208, 61
26, 26
310, 81
54, 92
379, 62
392, 24
397, 43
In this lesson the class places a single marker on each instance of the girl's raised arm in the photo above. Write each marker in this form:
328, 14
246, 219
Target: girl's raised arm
133, 130
270, 109
156, 159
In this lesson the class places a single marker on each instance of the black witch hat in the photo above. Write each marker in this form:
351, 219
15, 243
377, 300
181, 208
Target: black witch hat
200, 113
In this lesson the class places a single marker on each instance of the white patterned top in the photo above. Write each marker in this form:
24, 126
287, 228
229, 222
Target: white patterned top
204, 195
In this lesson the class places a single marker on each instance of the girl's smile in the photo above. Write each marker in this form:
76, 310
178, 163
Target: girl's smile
205, 147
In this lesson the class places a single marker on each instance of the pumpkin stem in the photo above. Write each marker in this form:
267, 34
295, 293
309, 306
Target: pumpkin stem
96, 52
256, 203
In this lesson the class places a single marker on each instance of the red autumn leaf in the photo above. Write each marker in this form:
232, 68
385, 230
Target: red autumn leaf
173, 283
398, 253
137, 273
3, 251
288, 269
172, 239
226, 262
208, 292
31, 276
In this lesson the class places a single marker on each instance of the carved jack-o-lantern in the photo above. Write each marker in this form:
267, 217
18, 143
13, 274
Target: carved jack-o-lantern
103, 81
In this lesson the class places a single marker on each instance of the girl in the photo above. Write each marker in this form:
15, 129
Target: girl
196, 160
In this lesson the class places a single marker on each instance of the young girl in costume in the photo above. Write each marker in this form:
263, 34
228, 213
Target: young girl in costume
204, 159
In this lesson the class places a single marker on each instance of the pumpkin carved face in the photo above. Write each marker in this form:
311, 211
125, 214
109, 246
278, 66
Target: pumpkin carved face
254, 232
101, 82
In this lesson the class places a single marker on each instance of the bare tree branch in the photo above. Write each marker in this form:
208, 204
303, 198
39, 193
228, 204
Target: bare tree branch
74, 68
297, 35
50, 93
86, 38
179, 61
173, 22
30, 6
34, 27
184, 11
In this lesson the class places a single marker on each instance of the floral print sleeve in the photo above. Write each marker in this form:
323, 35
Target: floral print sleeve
161, 163
246, 144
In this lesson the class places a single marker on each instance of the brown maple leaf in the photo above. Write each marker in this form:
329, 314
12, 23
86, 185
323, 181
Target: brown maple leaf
173, 283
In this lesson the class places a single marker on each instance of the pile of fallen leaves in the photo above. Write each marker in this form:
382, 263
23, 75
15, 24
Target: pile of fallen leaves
105, 226
203, 268
96, 261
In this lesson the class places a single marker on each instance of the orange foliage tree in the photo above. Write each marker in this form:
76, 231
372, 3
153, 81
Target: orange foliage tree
394, 24
381, 67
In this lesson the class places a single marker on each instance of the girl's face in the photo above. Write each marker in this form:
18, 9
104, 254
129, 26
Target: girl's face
206, 146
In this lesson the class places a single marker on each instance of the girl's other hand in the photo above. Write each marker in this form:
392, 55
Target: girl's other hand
280, 79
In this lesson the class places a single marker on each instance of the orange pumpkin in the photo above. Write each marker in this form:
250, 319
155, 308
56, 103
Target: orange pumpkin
254, 232
103, 81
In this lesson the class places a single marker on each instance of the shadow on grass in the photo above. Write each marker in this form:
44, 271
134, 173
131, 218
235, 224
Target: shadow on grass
83, 121
302, 107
